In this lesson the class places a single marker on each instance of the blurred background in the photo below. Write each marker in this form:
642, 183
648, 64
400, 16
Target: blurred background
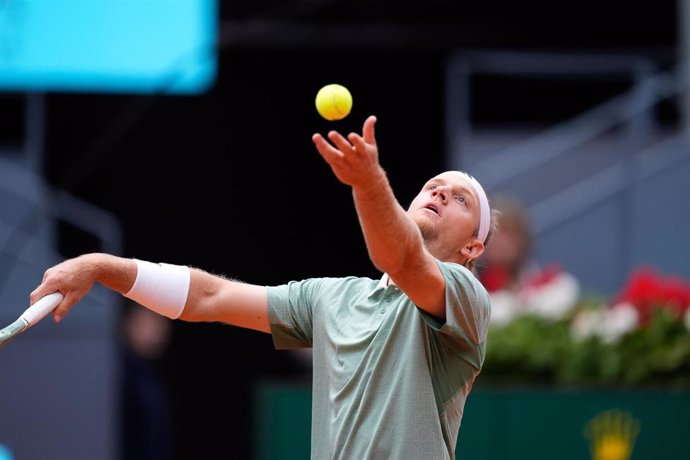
180, 131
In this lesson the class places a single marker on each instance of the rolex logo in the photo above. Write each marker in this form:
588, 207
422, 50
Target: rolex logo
611, 435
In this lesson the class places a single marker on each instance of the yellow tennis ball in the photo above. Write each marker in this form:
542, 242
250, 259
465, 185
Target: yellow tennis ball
333, 102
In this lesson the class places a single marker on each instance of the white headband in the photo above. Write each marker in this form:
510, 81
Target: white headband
484, 210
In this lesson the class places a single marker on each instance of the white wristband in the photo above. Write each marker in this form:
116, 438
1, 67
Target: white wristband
162, 288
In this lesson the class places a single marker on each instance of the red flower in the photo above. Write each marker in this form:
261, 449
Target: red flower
677, 294
545, 276
495, 278
647, 290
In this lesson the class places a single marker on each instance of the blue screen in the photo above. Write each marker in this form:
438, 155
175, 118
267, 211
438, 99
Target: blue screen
137, 46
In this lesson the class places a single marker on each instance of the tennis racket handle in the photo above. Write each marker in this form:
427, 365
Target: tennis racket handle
41, 308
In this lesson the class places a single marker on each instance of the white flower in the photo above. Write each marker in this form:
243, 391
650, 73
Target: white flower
618, 321
555, 299
504, 307
586, 324
608, 324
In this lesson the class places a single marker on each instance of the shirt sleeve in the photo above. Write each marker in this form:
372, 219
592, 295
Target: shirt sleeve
290, 314
468, 308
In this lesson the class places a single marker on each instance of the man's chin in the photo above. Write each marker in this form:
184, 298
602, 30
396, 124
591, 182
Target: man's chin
427, 230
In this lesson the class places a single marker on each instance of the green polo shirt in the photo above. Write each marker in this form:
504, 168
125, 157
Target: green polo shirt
389, 381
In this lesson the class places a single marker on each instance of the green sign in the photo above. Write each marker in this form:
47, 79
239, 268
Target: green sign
514, 424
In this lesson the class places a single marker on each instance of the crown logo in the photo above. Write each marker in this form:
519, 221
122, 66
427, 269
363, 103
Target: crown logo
612, 435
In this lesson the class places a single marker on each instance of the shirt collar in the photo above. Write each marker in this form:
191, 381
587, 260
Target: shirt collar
383, 283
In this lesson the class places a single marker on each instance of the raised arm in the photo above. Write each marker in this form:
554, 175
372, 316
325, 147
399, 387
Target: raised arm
393, 240
208, 297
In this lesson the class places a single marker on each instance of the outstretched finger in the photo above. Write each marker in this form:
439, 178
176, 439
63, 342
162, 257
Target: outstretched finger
360, 145
325, 149
340, 142
367, 137
368, 130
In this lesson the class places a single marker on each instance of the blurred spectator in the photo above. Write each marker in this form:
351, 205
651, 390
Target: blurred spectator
146, 411
507, 261
515, 280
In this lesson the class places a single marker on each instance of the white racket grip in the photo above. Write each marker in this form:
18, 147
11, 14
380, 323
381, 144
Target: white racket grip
41, 308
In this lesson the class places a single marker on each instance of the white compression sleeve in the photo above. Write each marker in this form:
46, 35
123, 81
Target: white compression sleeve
162, 288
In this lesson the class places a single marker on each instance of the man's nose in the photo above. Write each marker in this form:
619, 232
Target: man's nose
441, 191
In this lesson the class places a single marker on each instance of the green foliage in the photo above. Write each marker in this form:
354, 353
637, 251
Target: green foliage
535, 350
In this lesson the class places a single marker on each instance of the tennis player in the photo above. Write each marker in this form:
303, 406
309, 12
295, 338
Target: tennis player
394, 358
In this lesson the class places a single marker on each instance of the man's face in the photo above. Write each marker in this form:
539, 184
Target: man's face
447, 211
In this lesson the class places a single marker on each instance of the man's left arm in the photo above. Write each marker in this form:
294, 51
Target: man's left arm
393, 240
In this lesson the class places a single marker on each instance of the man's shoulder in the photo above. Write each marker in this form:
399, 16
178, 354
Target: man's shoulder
335, 281
463, 275
347, 281
456, 268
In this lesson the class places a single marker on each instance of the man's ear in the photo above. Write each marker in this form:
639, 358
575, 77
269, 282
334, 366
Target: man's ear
473, 249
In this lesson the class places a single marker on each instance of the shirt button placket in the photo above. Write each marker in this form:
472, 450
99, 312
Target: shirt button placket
386, 299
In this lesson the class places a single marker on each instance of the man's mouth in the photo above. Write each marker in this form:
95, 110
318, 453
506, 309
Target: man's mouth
432, 207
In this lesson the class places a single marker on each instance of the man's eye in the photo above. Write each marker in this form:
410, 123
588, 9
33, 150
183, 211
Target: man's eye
460, 199
432, 187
